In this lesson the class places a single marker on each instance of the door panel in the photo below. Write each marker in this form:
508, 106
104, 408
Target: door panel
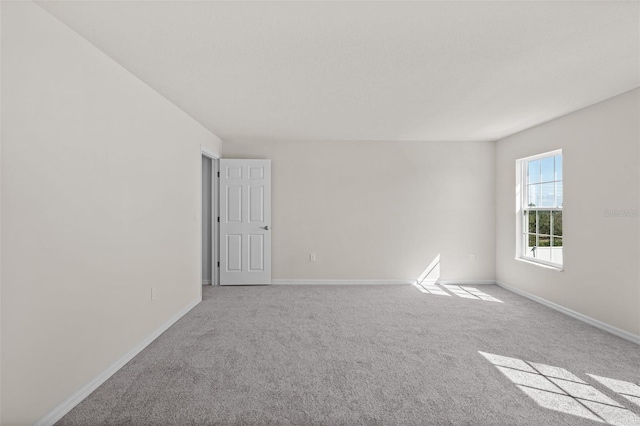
256, 253
234, 203
234, 253
256, 204
245, 222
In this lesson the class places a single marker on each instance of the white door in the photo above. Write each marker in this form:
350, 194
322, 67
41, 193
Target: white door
245, 222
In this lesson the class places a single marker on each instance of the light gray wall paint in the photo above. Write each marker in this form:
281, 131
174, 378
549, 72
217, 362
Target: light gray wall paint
379, 210
207, 243
0, 212
100, 202
601, 172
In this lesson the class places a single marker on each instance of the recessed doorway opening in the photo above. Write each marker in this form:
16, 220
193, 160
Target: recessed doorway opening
209, 219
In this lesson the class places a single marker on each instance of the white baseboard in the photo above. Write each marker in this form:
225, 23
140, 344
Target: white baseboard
57, 413
466, 282
577, 315
206, 282
339, 282
375, 282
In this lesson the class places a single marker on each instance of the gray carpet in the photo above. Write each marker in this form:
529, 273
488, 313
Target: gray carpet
355, 355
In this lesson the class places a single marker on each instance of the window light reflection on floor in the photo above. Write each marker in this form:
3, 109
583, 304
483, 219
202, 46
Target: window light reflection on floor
557, 389
434, 289
464, 292
628, 390
481, 295
458, 291
470, 293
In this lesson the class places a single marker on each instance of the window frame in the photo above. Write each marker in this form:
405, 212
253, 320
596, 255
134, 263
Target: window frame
523, 210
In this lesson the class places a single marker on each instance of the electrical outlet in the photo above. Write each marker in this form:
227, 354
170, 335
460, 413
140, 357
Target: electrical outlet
153, 294
312, 257
472, 257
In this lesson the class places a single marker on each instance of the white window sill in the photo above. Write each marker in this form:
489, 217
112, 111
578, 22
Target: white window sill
557, 268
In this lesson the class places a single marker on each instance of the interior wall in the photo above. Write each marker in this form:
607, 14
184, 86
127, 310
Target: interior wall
379, 210
100, 203
0, 216
601, 147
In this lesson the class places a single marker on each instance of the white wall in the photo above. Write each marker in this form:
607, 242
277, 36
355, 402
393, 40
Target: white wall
100, 202
0, 217
379, 210
601, 172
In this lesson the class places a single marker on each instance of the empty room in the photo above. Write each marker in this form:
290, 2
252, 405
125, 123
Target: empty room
319, 212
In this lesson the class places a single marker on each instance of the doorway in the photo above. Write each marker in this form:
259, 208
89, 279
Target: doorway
209, 215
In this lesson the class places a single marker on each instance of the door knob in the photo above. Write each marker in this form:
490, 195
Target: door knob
266, 228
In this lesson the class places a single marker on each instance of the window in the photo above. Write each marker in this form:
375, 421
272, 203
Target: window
541, 207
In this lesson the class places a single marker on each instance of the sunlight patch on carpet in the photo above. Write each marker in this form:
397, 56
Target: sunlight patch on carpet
430, 289
464, 292
480, 294
560, 390
628, 390
470, 293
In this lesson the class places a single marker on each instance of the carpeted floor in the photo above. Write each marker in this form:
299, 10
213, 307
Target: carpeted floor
359, 355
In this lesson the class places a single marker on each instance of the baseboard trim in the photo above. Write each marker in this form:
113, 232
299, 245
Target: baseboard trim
57, 413
206, 282
577, 315
375, 282
466, 282
340, 282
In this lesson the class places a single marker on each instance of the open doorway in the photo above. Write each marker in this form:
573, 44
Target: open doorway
210, 230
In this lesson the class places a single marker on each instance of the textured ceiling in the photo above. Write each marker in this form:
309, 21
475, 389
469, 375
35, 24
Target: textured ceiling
369, 70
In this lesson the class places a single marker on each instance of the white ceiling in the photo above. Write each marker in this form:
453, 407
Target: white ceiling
369, 70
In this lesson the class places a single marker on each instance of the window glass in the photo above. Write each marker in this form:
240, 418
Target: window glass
547, 166
547, 195
533, 175
558, 167
542, 202
544, 222
559, 200
532, 222
534, 199
557, 223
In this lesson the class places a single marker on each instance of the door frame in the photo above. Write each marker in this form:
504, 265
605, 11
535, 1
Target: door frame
215, 213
